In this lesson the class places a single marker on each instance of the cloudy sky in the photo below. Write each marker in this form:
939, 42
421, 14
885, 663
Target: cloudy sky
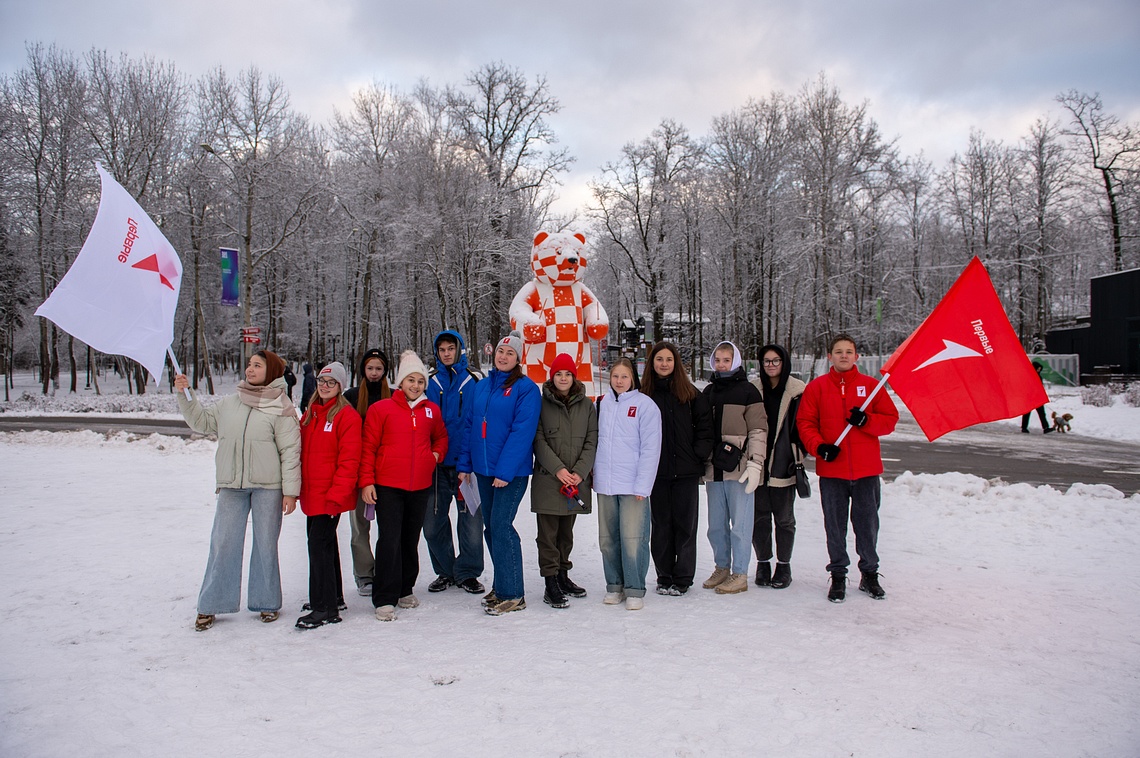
930, 71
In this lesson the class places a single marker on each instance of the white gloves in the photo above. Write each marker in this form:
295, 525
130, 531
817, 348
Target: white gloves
750, 479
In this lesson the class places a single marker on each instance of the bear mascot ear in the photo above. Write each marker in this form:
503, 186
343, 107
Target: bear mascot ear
581, 238
538, 238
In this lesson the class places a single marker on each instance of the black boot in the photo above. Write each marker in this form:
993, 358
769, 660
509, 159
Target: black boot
838, 591
553, 595
568, 586
870, 584
763, 574
782, 576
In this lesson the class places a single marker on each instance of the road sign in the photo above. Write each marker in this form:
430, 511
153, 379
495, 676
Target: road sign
251, 338
487, 349
248, 330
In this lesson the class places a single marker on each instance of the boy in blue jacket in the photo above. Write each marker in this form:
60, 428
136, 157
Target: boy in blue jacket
451, 387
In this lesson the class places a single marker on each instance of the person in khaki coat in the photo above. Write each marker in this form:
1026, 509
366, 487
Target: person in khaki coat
258, 471
564, 449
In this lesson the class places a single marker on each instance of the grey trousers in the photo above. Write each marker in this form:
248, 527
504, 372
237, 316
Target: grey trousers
363, 561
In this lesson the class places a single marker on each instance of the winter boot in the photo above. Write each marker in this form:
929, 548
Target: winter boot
782, 576
568, 586
838, 591
553, 595
733, 584
717, 576
870, 584
763, 574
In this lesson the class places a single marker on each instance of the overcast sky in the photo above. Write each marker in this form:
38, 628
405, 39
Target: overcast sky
930, 71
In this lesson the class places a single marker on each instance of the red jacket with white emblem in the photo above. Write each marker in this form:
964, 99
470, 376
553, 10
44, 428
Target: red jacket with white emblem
330, 457
399, 441
824, 407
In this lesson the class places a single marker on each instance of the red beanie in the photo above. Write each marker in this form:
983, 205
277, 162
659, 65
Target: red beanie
563, 362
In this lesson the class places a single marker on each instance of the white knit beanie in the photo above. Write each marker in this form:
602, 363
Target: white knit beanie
514, 341
337, 371
410, 363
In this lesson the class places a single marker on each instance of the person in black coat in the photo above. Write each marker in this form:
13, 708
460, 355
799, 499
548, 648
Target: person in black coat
308, 384
686, 444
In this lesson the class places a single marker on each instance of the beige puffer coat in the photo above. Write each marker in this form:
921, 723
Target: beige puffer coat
255, 449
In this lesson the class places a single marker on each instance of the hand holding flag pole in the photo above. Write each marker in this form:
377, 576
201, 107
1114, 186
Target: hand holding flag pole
177, 370
863, 407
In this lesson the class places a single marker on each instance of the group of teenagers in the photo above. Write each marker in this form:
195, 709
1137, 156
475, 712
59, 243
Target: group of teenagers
400, 454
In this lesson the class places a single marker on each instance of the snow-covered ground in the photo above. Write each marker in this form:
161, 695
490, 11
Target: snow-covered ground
1010, 629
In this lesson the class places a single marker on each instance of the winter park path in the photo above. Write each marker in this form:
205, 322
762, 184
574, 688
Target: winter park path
989, 451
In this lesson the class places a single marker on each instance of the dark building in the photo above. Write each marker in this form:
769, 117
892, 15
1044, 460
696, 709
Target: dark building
1108, 340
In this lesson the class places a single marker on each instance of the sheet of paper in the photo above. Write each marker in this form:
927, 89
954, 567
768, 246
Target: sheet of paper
470, 491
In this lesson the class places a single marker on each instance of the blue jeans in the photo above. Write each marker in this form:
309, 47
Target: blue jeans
499, 506
862, 497
731, 518
221, 587
437, 531
623, 536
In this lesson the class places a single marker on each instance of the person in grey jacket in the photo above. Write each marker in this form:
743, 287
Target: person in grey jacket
564, 449
258, 470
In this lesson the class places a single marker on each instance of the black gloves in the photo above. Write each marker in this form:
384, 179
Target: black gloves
827, 452
857, 417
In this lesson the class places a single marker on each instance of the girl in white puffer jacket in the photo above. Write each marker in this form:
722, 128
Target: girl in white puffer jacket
629, 446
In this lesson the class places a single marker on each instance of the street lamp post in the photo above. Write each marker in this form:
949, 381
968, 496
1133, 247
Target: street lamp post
246, 277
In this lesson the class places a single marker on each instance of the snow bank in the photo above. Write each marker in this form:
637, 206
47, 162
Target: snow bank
1009, 629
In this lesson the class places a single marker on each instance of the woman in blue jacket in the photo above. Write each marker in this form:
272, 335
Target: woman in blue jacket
500, 433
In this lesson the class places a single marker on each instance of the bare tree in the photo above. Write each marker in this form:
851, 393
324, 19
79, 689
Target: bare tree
1110, 145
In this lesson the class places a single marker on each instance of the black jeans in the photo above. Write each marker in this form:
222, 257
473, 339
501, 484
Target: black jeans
862, 498
674, 509
399, 519
1040, 415
774, 504
325, 589
555, 540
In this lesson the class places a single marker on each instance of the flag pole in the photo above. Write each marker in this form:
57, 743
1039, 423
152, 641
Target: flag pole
178, 370
863, 407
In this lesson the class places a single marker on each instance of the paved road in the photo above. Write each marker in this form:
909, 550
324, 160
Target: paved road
989, 451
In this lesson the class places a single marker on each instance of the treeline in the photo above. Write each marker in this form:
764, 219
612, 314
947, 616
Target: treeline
410, 211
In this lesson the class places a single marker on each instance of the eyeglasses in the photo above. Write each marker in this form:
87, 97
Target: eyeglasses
327, 381
772, 361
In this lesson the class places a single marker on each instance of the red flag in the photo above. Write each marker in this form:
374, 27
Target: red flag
964, 364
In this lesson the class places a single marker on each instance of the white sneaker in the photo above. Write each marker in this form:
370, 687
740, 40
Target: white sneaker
364, 590
386, 613
408, 601
613, 598
634, 603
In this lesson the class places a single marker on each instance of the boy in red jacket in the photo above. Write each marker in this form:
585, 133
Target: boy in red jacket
848, 474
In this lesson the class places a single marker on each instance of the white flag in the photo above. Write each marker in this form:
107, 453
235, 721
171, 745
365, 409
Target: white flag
120, 293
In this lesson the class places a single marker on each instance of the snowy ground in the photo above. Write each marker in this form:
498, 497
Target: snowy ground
1010, 629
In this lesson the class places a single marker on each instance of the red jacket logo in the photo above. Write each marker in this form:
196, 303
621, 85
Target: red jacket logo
507, 391
632, 411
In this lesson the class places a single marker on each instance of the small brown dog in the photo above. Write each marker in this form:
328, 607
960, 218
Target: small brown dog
1061, 423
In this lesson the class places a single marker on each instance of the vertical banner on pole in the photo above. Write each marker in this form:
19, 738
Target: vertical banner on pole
229, 276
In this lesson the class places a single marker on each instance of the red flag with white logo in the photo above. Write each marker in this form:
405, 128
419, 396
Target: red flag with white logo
964, 364
120, 294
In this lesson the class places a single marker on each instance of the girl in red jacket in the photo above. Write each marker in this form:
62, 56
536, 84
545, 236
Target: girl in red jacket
330, 456
404, 439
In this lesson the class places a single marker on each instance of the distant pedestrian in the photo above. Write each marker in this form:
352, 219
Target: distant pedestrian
1045, 427
308, 385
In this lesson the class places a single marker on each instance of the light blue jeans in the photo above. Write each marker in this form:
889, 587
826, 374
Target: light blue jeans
221, 587
499, 506
623, 536
732, 513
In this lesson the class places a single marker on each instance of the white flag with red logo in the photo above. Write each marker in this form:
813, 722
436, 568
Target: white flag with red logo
964, 365
120, 294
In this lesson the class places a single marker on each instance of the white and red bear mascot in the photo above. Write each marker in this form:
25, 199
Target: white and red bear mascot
555, 311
